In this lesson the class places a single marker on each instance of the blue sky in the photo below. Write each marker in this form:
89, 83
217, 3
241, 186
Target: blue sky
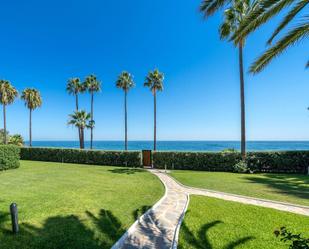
46, 42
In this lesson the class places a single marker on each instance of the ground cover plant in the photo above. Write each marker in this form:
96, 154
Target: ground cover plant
290, 188
211, 223
73, 206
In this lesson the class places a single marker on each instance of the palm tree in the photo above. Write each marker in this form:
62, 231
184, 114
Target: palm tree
75, 87
8, 94
33, 100
16, 140
125, 82
93, 86
80, 119
265, 11
233, 17
154, 81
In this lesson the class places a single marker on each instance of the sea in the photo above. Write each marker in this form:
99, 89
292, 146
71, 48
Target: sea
181, 145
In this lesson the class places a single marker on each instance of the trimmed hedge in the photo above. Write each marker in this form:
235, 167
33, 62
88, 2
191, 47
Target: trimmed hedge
96, 157
9, 157
271, 162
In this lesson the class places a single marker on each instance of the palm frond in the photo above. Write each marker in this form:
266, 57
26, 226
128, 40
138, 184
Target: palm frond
209, 7
289, 17
295, 35
264, 11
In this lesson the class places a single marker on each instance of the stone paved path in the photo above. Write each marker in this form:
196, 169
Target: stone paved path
159, 227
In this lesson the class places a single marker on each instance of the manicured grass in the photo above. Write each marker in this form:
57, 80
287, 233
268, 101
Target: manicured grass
217, 224
279, 187
66, 206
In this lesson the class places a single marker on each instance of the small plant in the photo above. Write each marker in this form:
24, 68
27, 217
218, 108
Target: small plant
229, 150
296, 240
241, 167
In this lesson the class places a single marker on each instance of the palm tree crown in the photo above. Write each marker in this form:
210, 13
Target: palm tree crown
32, 98
125, 81
92, 84
8, 93
74, 86
154, 81
265, 11
79, 119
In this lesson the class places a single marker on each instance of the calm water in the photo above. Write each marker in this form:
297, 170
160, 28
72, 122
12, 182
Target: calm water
182, 145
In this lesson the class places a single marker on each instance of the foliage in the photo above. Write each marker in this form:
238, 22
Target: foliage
16, 140
125, 81
229, 150
74, 86
8, 93
96, 157
279, 162
9, 157
241, 167
32, 98
154, 81
92, 84
80, 119
2, 132
296, 240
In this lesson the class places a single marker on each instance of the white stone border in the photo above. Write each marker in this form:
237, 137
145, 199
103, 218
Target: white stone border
132, 228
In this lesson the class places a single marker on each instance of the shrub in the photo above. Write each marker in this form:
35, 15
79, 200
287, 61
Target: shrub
270, 162
241, 167
9, 157
296, 241
97, 157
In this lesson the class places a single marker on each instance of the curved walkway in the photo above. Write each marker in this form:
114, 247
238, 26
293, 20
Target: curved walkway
159, 226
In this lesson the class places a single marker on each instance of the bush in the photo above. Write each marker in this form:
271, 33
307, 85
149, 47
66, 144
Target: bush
96, 157
209, 161
270, 162
9, 157
241, 167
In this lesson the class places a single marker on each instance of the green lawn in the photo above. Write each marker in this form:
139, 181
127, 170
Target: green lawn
279, 187
217, 224
69, 206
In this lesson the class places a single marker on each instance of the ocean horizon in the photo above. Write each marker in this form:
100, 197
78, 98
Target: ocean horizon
180, 145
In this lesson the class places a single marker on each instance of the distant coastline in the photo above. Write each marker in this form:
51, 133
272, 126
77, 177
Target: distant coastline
182, 145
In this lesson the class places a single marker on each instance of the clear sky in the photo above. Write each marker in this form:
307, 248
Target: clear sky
44, 43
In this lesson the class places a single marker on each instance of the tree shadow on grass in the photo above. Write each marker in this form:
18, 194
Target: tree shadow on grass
140, 211
67, 232
201, 241
127, 171
292, 185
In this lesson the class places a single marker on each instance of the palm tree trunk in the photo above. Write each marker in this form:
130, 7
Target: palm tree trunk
30, 128
4, 124
125, 121
155, 120
79, 132
242, 102
82, 138
91, 128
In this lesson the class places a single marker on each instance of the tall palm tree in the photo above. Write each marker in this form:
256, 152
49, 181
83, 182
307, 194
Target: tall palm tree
233, 17
125, 82
8, 94
154, 81
93, 86
33, 100
75, 87
265, 11
80, 119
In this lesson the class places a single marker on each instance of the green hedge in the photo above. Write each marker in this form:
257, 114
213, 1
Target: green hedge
9, 157
96, 157
271, 162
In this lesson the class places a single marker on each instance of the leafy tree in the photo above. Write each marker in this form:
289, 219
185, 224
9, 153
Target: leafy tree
233, 17
154, 81
33, 100
16, 140
125, 82
80, 119
8, 94
265, 11
93, 86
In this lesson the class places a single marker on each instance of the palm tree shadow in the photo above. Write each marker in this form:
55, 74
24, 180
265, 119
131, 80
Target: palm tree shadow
140, 211
127, 171
292, 185
201, 241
